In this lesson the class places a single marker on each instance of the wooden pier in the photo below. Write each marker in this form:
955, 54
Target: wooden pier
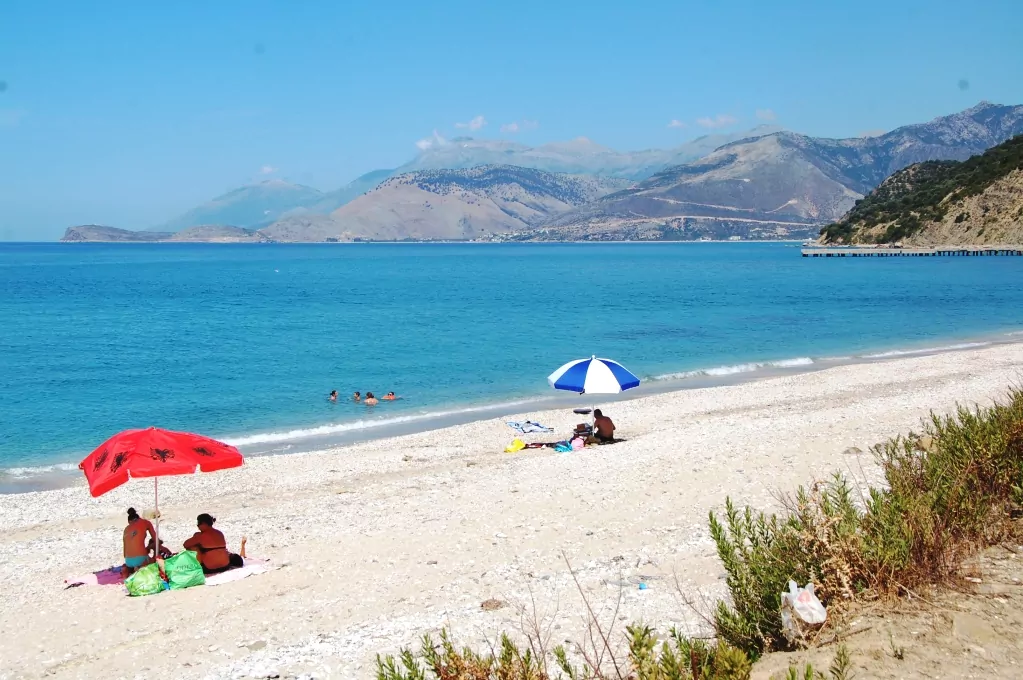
887, 251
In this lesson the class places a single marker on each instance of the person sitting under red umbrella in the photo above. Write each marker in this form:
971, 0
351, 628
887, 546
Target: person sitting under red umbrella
136, 548
211, 547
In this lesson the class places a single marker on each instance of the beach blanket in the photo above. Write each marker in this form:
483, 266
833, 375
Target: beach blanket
528, 427
112, 576
106, 577
252, 566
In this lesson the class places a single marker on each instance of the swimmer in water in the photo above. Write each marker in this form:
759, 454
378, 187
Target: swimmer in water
357, 396
390, 396
370, 399
333, 395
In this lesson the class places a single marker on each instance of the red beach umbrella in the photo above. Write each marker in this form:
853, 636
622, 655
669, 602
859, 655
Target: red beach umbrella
153, 452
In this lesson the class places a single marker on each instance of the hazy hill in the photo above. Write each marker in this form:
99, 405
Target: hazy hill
459, 204
333, 200
99, 233
249, 206
786, 179
201, 234
977, 201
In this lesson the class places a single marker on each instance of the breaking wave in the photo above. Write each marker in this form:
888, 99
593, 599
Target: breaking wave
925, 350
338, 428
33, 471
737, 368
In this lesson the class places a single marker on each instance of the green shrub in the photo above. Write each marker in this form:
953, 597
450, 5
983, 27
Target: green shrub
677, 658
948, 493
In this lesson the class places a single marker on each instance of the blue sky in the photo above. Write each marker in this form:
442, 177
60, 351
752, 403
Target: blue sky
127, 113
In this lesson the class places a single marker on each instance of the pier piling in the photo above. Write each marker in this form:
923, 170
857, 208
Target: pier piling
936, 251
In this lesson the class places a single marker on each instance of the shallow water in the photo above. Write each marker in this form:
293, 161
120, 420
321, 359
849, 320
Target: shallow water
244, 342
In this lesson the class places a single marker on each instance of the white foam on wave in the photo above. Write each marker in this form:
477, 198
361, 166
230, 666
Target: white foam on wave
338, 428
733, 369
32, 471
789, 363
925, 350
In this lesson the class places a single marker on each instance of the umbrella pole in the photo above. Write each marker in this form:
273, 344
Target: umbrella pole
156, 512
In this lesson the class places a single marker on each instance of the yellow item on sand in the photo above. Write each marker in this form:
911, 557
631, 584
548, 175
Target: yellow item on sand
516, 445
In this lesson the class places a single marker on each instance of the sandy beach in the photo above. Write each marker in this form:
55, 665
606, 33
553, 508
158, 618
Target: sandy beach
376, 543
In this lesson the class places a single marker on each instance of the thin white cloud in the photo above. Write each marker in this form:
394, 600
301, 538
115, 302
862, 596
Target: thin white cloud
676, 123
519, 126
12, 117
474, 124
766, 114
718, 121
430, 142
267, 170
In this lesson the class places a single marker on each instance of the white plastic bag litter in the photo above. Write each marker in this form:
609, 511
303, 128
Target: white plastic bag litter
801, 612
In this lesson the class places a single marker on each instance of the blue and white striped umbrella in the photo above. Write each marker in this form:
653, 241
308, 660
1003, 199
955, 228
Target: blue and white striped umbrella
593, 376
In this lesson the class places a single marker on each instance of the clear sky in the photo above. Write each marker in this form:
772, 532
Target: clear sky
128, 113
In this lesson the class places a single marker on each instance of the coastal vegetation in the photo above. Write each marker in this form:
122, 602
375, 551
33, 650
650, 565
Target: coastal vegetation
924, 194
948, 492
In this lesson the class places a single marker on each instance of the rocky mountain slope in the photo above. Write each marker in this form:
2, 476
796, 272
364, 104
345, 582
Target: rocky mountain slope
218, 234
978, 201
783, 182
460, 204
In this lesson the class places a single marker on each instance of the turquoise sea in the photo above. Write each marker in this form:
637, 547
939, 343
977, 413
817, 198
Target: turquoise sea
244, 342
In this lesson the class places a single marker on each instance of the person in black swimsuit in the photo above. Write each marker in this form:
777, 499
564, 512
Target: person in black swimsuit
211, 547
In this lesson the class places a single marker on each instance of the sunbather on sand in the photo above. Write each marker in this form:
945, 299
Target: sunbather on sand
211, 547
604, 429
164, 550
136, 550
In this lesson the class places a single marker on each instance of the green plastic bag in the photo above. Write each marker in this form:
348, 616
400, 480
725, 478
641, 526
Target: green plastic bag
184, 571
145, 581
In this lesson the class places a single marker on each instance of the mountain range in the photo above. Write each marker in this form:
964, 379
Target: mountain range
783, 181
258, 205
580, 156
761, 183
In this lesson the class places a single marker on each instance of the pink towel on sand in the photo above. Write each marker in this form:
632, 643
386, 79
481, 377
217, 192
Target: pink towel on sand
107, 577
112, 576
